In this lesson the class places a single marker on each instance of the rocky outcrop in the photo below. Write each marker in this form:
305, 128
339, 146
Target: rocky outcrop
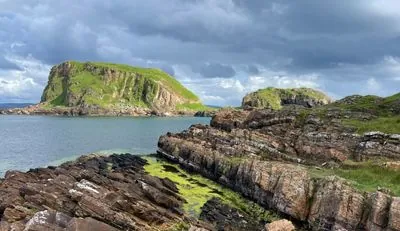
264, 155
92, 193
275, 98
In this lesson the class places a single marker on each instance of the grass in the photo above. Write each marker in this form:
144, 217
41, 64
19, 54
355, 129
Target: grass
197, 190
194, 107
365, 176
376, 105
389, 125
152, 73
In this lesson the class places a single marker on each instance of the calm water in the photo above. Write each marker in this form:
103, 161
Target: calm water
35, 141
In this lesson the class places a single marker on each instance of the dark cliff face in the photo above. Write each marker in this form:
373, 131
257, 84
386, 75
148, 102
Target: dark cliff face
73, 84
266, 155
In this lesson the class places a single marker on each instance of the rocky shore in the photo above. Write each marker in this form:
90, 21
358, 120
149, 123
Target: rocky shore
82, 110
267, 156
92, 193
108, 194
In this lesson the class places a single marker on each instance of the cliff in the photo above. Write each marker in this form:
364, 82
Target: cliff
275, 98
312, 164
106, 85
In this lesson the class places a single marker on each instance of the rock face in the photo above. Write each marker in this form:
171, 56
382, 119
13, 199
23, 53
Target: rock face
93, 193
112, 89
263, 154
275, 98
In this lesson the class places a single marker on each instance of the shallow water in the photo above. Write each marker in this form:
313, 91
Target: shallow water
38, 141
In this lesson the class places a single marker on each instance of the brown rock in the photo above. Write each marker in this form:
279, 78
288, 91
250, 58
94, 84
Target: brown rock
281, 225
84, 189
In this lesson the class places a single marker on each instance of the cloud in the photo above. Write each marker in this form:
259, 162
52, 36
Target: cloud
214, 70
7, 65
209, 44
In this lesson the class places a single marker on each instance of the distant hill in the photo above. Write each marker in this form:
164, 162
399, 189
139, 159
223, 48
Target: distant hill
275, 98
14, 105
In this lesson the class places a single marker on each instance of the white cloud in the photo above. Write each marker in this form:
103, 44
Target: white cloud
26, 84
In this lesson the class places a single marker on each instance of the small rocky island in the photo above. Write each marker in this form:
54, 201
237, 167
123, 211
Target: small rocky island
307, 164
91, 88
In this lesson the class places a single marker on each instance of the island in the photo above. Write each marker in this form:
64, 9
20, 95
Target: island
93, 88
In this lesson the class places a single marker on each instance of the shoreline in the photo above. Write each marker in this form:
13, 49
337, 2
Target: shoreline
102, 112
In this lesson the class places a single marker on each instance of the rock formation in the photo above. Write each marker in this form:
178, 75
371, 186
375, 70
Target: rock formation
275, 98
267, 156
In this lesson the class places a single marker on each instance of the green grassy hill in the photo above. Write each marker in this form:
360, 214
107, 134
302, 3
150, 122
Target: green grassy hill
275, 98
115, 85
385, 112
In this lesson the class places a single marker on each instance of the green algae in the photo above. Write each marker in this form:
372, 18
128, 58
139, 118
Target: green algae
197, 190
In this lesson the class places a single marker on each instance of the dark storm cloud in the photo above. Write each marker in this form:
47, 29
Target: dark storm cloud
333, 40
212, 70
7, 65
252, 69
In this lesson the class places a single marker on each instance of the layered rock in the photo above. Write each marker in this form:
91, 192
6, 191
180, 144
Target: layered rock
275, 98
263, 154
93, 193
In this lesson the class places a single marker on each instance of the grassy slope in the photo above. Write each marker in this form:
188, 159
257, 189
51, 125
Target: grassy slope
96, 92
383, 108
365, 176
389, 125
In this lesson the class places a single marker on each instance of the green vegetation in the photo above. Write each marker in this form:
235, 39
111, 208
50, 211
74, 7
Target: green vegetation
370, 103
194, 107
197, 190
365, 176
385, 110
110, 85
272, 97
389, 125
181, 226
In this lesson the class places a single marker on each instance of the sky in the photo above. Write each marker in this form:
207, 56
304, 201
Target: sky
219, 49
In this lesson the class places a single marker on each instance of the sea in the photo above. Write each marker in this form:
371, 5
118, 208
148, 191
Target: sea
38, 141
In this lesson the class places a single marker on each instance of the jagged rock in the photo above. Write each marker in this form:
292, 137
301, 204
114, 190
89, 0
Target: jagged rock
281, 225
92, 193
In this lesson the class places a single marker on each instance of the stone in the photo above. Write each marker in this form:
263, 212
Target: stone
280, 225
88, 195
